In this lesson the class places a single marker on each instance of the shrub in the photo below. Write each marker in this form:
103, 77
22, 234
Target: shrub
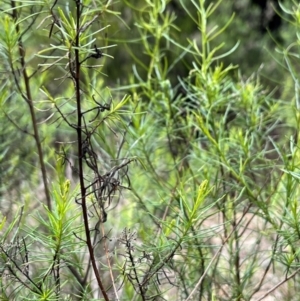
153, 186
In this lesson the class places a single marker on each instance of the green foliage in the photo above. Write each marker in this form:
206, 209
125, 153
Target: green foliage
175, 180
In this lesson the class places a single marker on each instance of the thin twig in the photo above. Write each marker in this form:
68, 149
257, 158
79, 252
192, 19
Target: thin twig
278, 284
29, 101
109, 264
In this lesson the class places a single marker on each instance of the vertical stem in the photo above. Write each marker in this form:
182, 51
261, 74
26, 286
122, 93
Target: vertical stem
80, 154
28, 99
236, 258
203, 22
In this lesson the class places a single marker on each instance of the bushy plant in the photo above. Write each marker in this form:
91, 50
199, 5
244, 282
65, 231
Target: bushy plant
150, 186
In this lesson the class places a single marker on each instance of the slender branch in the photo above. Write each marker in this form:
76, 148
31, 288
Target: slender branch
76, 76
30, 105
278, 284
109, 264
